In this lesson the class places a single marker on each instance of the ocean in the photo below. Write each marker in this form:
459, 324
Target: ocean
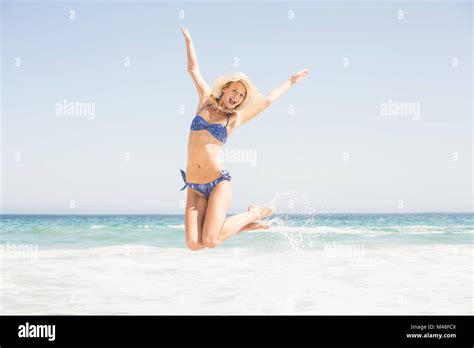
305, 264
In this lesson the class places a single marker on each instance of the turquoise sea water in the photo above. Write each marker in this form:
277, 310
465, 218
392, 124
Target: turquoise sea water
287, 231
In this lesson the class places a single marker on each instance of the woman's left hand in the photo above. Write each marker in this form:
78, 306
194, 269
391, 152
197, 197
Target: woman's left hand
186, 34
299, 76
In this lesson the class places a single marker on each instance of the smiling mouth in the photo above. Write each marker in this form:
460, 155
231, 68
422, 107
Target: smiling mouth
232, 102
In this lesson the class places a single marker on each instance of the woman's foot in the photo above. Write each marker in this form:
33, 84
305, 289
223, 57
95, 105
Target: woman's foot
261, 212
255, 226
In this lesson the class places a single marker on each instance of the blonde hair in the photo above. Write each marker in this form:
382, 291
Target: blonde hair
252, 95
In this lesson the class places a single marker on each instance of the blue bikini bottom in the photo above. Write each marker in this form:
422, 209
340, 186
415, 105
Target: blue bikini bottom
207, 188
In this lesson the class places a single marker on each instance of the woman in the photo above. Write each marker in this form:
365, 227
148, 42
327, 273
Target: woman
233, 102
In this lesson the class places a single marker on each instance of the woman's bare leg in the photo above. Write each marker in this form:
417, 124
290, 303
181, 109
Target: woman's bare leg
254, 226
196, 206
217, 227
235, 223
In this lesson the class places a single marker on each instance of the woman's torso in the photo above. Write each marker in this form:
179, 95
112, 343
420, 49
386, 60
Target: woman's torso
204, 149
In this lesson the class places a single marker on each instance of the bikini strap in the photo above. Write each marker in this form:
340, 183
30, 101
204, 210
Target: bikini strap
228, 116
202, 108
183, 175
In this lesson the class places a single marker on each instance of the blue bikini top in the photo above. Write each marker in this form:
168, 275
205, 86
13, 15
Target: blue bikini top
217, 130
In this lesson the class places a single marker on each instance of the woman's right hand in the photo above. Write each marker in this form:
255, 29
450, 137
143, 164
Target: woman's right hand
186, 34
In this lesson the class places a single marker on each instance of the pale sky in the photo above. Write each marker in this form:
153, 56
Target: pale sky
328, 145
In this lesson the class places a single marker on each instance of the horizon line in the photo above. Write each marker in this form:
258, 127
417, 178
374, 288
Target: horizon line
174, 214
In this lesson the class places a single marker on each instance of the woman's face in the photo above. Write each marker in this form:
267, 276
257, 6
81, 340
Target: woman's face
234, 95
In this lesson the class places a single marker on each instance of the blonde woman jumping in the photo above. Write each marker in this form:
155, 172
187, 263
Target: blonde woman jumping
233, 102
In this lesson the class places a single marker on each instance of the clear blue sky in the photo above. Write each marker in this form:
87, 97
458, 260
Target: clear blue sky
424, 160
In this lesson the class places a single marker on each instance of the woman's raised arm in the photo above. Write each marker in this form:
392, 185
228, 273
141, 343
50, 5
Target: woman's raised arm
246, 115
193, 68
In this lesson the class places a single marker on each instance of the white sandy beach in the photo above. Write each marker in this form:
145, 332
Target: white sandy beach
135, 279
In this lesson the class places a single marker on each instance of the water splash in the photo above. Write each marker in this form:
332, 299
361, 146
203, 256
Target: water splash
312, 213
